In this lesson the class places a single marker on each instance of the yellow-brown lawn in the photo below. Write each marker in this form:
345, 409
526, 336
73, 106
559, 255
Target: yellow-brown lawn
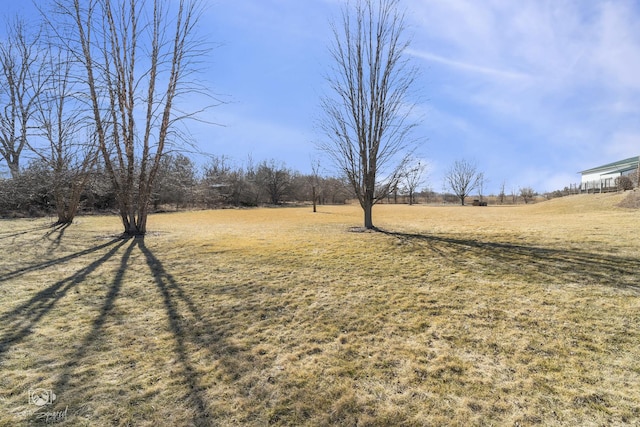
521, 315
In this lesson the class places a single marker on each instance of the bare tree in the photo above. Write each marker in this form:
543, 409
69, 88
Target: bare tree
624, 183
502, 194
315, 181
367, 117
527, 194
21, 80
412, 177
462, 178
138, 59
175, 181
274, 179
217, 183
70, 151
482, 182
335, 191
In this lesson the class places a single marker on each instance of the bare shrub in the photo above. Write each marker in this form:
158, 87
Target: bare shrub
624, 183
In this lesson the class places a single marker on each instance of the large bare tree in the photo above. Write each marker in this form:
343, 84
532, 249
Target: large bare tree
22, 76
138, 59
366, 118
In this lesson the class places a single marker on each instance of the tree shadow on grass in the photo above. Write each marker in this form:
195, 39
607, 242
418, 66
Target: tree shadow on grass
535, 262
98, 323
178, 307
21, 320
49, 263
172, 295
57, 230
10, 234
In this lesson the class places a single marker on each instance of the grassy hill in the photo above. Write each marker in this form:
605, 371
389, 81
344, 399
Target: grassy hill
583, 202
519, 315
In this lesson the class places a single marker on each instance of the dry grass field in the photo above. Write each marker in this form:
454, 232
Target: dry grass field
517, 316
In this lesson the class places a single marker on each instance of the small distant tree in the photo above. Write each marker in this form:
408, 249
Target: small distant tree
217, 186
482, 181
175, 181
429, 195
502, 194
314, 178
412, 178
527, 194
183, 180
462, 178
275, 180
336, 191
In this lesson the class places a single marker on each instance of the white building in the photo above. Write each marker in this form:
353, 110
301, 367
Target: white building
603, 178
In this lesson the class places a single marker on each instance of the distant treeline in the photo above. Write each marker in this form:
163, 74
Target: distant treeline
220, 183
180, 184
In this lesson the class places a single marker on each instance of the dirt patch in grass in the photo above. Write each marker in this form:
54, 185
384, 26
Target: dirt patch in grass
447, 316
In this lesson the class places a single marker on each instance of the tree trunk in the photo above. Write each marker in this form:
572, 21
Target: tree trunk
368, 217
368, 198
143, 214
313, 195
133, 228
368, 201
14, 168
135, 223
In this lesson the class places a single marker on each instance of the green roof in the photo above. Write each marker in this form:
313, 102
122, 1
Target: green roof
619, 166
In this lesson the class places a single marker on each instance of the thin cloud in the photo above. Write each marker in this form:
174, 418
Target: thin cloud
465, 66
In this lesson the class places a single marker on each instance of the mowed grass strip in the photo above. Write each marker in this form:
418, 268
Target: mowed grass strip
523, 315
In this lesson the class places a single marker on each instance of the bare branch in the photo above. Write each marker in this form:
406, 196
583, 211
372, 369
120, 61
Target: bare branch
22, 78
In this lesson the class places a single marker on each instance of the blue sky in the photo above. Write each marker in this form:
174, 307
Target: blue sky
532, 91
